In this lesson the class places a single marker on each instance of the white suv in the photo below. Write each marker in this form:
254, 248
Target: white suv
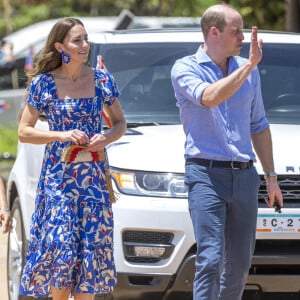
154, 242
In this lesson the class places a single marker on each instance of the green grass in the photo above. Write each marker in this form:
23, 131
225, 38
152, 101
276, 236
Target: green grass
8, 145
8, 140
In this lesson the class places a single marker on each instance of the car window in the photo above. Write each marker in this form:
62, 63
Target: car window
280, 77
280, 74
142, 72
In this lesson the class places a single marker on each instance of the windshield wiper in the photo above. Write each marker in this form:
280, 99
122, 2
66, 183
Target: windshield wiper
138, 124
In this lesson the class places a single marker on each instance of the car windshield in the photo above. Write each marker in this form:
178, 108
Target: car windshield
142, 72
280, 77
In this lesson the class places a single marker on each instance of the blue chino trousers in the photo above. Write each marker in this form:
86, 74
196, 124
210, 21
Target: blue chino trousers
223, 207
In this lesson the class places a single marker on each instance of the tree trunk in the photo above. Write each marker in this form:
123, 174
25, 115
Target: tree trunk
292, 20
7, 16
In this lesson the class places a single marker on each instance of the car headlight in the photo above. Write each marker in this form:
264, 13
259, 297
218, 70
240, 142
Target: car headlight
150, 183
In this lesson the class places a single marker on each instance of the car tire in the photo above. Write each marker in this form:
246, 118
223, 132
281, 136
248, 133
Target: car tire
15, 253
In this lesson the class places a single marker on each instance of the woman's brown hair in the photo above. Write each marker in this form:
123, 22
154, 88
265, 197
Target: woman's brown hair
48, 59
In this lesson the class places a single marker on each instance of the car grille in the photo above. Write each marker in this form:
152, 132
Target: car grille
290, 188
135, 238
148, 237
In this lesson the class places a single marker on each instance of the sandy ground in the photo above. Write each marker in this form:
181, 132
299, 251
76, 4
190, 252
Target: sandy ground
3, 284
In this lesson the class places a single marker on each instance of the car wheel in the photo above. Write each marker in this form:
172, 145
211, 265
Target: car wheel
16, 251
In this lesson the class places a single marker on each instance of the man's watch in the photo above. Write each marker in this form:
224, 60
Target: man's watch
270, 174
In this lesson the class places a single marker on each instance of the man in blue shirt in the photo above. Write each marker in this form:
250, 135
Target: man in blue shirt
219, 97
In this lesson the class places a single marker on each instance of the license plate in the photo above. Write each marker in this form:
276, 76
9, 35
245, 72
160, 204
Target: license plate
278, 223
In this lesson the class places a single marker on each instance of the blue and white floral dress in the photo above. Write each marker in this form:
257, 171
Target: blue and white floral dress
71, 235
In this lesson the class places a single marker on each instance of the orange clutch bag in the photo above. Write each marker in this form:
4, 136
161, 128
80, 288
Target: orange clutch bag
75, 153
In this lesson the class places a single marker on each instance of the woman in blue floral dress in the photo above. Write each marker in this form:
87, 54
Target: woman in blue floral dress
71, 242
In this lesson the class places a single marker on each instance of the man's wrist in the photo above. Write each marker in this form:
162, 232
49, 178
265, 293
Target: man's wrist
270, 175
5, 209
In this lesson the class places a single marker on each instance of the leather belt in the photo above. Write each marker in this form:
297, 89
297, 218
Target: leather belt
219, 163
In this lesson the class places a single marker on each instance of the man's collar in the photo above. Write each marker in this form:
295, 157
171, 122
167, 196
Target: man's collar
201, 56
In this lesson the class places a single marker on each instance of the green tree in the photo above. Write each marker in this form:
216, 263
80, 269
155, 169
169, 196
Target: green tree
266, 14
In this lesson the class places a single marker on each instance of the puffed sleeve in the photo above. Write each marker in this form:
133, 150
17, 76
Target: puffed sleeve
37, 92
106, 87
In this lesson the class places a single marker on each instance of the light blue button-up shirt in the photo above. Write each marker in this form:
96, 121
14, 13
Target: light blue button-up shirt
222, 132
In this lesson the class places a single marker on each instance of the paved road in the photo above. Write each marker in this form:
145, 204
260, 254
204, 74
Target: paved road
3, 285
